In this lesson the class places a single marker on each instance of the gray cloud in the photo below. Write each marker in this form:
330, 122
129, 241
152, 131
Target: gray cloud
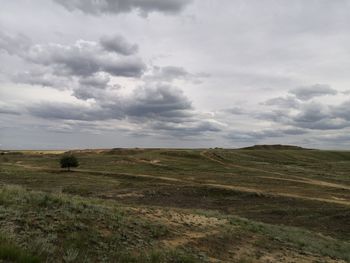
97, 81
236, 111
159, 101
310, 115
124, 6
255, 136
171, 73
42, 78
7, 111
159, 109
145, 102
272, 48
83, 59
194, 128
342, 110
69, 111
283, 102
95, 87
309, 92
13, 43
118, 44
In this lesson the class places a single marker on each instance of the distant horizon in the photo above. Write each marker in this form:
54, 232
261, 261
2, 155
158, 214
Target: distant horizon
170, 148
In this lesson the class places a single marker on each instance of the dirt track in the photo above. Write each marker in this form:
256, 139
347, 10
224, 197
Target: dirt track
197, 183
298, 179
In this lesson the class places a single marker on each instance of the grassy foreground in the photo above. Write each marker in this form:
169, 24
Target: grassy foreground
157, 205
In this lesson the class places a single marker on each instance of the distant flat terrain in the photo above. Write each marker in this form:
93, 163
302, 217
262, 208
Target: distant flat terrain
258, 204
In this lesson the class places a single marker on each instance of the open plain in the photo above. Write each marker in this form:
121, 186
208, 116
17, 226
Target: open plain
176, 205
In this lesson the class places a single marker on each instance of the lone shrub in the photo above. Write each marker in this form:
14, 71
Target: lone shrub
68, 161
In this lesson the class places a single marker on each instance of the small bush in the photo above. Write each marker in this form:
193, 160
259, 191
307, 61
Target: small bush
68, 161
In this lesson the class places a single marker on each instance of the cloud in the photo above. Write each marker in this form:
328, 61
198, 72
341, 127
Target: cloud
159, 101
283, 102
84, 58
42, 77
235, 111
160, 109
317, 116
188, 129
308, 115
13, 43
171, 73
342, 110
254, 136
86, 69
99, 81
70, 111
145, 7
118, 44
9, 111
309, 92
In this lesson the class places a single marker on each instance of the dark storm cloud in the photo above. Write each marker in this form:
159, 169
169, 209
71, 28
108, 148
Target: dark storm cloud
309, 92
118, 44
123, 6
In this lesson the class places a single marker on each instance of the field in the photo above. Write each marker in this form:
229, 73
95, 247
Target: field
176, 205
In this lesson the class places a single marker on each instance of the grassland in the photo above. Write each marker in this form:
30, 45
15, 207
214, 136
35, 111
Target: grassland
169, 205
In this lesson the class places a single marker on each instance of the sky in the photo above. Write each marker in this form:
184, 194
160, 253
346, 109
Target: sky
175, 73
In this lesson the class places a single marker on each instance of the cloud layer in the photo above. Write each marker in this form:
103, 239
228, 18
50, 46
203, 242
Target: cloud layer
124, 6
126, 73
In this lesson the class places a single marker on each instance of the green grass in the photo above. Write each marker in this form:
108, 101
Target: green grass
107, 210
10, 252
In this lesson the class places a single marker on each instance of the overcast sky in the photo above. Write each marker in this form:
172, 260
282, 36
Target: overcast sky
174, 73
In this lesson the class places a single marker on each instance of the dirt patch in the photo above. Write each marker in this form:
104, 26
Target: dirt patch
186, 238
293, 257
309, 181
171, 217
127, 195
